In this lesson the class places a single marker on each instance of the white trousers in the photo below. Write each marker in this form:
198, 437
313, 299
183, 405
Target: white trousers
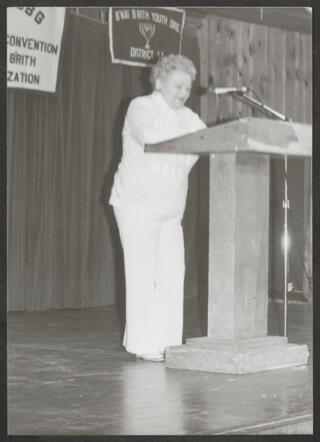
153, 249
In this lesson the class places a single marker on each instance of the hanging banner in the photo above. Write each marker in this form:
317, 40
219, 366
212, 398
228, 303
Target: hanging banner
139, 36
33, 47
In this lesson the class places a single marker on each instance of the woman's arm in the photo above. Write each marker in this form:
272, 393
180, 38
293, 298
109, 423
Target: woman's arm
141, 122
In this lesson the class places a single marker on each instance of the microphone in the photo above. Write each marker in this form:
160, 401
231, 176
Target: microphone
229, 90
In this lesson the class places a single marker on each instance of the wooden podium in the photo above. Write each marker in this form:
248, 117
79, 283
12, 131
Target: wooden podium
239, 151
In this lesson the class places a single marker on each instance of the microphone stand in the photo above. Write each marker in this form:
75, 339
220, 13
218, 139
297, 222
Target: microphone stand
258, 105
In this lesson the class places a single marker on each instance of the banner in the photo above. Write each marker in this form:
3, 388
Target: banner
33, 47
139, 36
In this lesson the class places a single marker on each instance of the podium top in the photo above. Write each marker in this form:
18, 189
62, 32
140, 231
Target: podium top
256, 135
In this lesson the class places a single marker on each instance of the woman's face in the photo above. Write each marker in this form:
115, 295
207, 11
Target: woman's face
175, 88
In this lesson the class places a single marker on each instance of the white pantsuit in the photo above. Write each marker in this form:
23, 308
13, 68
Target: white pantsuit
149, 196
154, 272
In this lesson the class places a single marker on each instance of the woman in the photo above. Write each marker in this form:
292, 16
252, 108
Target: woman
149, 196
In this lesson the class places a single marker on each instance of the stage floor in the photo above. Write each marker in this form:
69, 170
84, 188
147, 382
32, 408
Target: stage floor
69, 375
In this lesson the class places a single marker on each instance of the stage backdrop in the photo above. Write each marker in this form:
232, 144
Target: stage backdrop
277, 64
63, 149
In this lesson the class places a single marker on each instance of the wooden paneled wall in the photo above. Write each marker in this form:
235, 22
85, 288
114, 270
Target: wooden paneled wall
277, 65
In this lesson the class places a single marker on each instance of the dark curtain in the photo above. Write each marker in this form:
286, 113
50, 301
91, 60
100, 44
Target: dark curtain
63, 149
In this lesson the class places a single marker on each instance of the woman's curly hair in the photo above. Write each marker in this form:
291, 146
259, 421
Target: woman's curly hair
169, 63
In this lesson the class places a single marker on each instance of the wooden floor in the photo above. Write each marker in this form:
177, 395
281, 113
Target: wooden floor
69, 375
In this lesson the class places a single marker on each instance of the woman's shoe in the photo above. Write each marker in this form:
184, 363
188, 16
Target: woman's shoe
156, 357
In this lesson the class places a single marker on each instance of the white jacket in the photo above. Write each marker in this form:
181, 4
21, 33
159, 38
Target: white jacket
158, 182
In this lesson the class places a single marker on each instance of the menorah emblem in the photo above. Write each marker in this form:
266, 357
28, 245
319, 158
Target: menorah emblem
147, 30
